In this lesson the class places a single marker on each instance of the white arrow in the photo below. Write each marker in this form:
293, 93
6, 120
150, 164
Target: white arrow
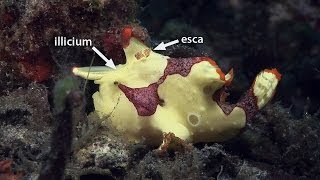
109, 62
162, 46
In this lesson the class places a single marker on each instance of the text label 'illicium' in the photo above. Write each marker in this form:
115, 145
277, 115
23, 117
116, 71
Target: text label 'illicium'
64, 41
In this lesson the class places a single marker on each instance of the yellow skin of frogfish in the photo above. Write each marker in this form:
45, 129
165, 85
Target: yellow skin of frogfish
153, 94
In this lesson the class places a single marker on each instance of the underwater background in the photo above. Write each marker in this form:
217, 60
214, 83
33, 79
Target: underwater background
47, 130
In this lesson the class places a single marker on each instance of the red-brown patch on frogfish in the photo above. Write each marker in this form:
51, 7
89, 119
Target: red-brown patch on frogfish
248, 102
146, 99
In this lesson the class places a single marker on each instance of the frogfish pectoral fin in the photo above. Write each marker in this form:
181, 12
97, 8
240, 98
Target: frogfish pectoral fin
265, 85
260, 93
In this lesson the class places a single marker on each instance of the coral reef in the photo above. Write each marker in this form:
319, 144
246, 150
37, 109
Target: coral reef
29, 27
104, 152
277, 140
24, 114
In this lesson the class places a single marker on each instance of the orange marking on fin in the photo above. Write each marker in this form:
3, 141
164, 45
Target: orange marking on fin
222, 75
231, 74
214, 64
275, 72
211, 61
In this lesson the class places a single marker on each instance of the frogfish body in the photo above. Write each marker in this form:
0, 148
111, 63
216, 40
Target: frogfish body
154, 94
